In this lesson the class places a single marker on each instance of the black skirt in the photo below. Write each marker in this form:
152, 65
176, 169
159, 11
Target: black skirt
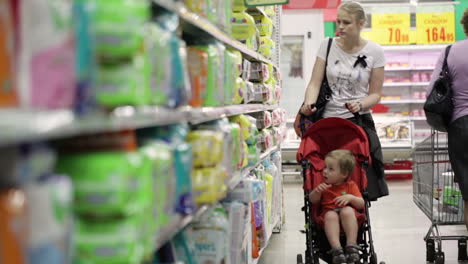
377, 186
457, 142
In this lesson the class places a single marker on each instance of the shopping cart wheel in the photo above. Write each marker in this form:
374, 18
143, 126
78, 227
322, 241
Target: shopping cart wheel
299, 259
440, 258
430, 250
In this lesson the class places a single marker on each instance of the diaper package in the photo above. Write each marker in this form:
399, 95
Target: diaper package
243, 26
86, 62
209, 184
264, 25
239, 221
50, 220
211, 236
198, 74
8, 90
231, 72
102, 181
267, 47
248, 190
46, 75
119, 27
238, 6
116, 241
259, 72
207, 147
14, 222
125, 84
240, 91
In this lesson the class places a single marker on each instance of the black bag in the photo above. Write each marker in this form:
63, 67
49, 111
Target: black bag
303, 122
439, 105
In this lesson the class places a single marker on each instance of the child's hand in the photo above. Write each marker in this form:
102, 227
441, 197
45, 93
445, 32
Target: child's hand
344, 199
322, 187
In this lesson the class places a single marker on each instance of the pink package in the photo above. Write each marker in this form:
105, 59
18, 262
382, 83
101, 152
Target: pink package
276, 117
47, 55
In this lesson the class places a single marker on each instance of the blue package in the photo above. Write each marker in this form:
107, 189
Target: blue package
86, 65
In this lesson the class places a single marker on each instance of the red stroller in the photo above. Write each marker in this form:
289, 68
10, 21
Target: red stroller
322, 137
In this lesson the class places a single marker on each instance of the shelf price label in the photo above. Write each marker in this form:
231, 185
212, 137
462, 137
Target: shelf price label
265, 2
392, 28
435, 27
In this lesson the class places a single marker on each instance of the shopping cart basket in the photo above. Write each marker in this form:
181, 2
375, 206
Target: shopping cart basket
437, 194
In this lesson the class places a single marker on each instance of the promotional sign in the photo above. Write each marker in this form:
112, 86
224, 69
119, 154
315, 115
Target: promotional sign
435, 24
391, 26
310, 4
265, 2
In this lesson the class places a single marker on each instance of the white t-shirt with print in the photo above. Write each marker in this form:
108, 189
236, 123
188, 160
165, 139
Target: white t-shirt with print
349, 83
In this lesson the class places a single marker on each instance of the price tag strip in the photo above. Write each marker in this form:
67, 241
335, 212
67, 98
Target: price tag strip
265, 2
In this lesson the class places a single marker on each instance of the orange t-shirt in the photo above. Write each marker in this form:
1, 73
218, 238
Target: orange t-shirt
348, 187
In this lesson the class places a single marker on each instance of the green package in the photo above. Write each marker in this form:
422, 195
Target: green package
109, 241
119, 26
101, 181
124, 84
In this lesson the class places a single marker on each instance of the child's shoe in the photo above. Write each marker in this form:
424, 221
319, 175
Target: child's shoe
352, 252
338, 256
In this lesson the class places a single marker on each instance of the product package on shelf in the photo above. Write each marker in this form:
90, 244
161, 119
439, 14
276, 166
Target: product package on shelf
13, 219
211, 236
259, 72
264, 119
240, 92
46, 75
231, 73
264, 25
243, 26
8, 91
239, 221
50, 219
267, 47
209, 59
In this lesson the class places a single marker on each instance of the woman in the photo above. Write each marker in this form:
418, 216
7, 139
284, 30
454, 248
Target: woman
457, 61
355, 75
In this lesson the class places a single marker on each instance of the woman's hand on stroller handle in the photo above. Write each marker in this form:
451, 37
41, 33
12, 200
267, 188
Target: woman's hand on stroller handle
308, 109
354, 106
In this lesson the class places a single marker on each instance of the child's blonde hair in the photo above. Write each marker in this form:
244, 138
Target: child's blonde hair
354, 8
345, 158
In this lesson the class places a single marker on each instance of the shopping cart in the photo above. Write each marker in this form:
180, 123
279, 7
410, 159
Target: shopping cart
437, 194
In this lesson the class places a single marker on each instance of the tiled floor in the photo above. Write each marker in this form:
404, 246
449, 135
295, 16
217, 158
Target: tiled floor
398, 229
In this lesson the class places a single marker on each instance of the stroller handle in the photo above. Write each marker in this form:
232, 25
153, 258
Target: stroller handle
357, 116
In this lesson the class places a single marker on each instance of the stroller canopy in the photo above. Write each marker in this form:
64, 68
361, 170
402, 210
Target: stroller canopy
333, 133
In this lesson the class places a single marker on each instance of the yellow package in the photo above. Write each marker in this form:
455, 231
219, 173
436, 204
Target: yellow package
208, 185
242, 25
264, 25
207, 147
266, 47
240, 91
244, 123
238, 6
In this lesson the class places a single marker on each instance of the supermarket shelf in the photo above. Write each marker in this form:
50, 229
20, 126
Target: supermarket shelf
177, 225
403, 101
428, 68
413, 47
238, 176
396, 146
204, 114
404, 84
27, 125
208, 27
418, 118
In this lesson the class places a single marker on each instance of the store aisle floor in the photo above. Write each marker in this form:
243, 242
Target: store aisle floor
398, 228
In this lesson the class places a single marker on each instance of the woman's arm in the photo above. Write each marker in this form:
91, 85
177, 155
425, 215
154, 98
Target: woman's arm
313, 87
375, 92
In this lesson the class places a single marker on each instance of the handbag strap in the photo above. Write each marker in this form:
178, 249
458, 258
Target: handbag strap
445, 69
330, 40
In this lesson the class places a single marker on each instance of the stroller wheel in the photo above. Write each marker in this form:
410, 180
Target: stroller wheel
299, 259
440, 258
373, 258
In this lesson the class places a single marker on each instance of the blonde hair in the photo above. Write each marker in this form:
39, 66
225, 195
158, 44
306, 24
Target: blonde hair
354, 8
345, 158
464, 21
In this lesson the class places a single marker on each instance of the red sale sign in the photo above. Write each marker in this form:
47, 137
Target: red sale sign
310, 4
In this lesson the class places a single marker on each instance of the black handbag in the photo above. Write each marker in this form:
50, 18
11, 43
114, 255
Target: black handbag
325, 93
439, 105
